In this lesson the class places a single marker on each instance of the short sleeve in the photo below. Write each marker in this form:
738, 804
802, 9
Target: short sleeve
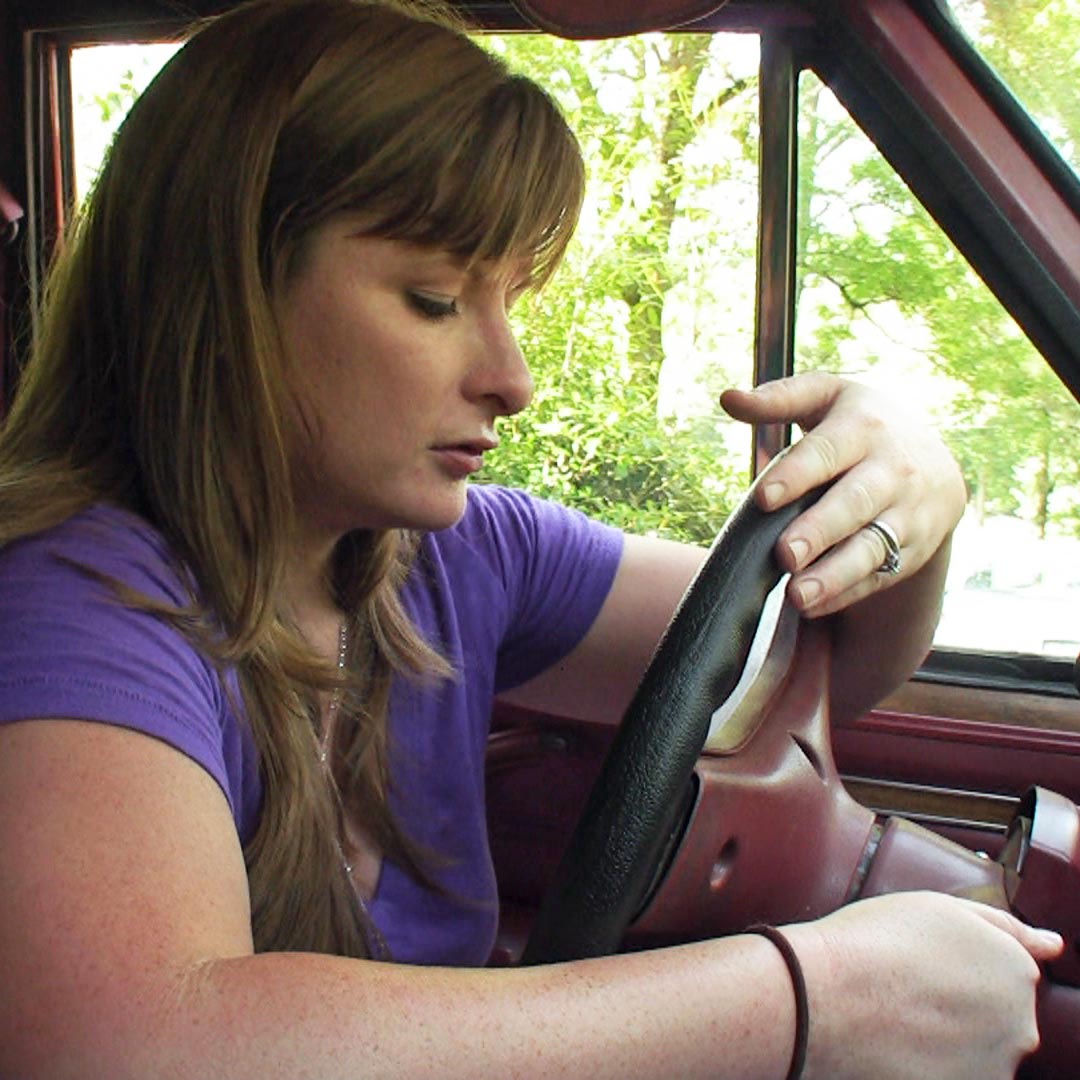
556, 567
72, 649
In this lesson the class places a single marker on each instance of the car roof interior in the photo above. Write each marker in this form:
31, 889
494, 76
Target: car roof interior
568, 18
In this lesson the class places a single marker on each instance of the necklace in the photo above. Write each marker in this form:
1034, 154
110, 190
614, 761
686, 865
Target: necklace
376, 942
328, 730
335, 697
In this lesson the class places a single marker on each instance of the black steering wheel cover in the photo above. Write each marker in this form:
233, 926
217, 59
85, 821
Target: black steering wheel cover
637, 800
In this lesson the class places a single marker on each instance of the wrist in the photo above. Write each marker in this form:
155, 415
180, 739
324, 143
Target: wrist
825, 987
798, 986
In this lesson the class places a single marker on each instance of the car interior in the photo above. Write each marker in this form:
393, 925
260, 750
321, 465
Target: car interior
728, 796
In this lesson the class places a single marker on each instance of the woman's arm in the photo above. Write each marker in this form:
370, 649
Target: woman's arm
124, 928
597, 679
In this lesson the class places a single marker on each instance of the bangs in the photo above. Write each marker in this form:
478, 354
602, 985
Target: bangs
448, 150
508, 184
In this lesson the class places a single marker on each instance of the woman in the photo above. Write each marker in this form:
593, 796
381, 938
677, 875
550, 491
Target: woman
235, 518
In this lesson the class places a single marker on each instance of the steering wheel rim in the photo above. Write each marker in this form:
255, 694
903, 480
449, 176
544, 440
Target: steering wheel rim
637, 802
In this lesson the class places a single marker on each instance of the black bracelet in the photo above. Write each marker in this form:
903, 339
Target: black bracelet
802, 1006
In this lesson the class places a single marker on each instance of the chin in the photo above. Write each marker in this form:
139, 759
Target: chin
432, 514
444, 520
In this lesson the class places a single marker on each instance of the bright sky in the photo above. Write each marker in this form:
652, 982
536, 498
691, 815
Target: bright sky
97, 71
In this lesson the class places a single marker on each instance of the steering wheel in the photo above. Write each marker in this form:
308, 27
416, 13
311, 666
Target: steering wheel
642, 795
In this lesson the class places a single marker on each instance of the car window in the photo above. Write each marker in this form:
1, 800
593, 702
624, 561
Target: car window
652, 314
884, 295
105, 80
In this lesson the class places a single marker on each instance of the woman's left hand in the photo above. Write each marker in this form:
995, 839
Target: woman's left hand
886, 467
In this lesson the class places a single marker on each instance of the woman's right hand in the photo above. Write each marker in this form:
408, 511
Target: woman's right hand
917, 985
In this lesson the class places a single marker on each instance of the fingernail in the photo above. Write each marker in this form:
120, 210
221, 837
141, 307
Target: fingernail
808, 591
774, 493
799, 550
1052, 937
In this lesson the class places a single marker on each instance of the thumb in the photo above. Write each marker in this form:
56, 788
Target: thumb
802, 399
1042, 944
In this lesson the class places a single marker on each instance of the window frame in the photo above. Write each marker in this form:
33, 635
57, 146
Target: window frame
979, 164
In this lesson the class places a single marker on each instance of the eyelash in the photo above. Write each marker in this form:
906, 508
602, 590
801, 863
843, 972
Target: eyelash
432, 307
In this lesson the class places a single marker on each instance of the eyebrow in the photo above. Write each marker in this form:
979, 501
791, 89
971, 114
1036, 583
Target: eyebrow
440, 258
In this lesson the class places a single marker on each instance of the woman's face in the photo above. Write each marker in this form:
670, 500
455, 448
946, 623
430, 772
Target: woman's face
402, 360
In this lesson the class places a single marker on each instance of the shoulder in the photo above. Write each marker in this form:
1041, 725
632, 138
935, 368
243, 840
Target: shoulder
78, 647
514, 531
101, 542
527, 574
74, 637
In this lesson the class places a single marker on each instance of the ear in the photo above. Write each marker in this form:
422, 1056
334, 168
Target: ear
613, 18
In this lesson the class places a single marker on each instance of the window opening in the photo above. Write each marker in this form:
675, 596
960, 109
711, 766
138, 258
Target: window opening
652, 314
884, 295
106, 80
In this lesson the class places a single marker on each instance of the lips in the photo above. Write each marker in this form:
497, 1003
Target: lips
464, 458
480, 445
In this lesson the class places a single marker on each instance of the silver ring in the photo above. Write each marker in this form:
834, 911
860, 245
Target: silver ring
891, 563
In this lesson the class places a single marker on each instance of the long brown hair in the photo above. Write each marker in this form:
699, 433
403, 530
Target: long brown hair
158, 381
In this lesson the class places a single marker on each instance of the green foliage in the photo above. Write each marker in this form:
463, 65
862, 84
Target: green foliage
114, 104
1011, 422
597, 436
1035, 46
593, 438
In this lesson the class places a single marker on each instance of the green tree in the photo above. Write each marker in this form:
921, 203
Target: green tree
1012, 422
597, 436
1035, 46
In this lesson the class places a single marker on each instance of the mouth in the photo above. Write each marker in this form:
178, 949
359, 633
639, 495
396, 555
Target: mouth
464, 458
480, 445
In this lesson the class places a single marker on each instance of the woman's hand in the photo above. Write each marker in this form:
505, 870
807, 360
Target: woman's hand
886, 466
916, 985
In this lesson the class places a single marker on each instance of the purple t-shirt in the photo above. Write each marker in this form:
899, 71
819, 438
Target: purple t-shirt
503, 595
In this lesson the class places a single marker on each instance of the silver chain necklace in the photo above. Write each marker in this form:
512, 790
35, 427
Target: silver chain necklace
376, 941
335, 697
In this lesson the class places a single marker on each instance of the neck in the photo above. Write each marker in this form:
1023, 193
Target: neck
308, 598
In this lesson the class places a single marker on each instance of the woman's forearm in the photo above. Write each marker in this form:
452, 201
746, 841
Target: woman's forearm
881, 640
714, 1009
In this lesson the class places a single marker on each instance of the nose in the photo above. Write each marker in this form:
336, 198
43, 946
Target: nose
500, 373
